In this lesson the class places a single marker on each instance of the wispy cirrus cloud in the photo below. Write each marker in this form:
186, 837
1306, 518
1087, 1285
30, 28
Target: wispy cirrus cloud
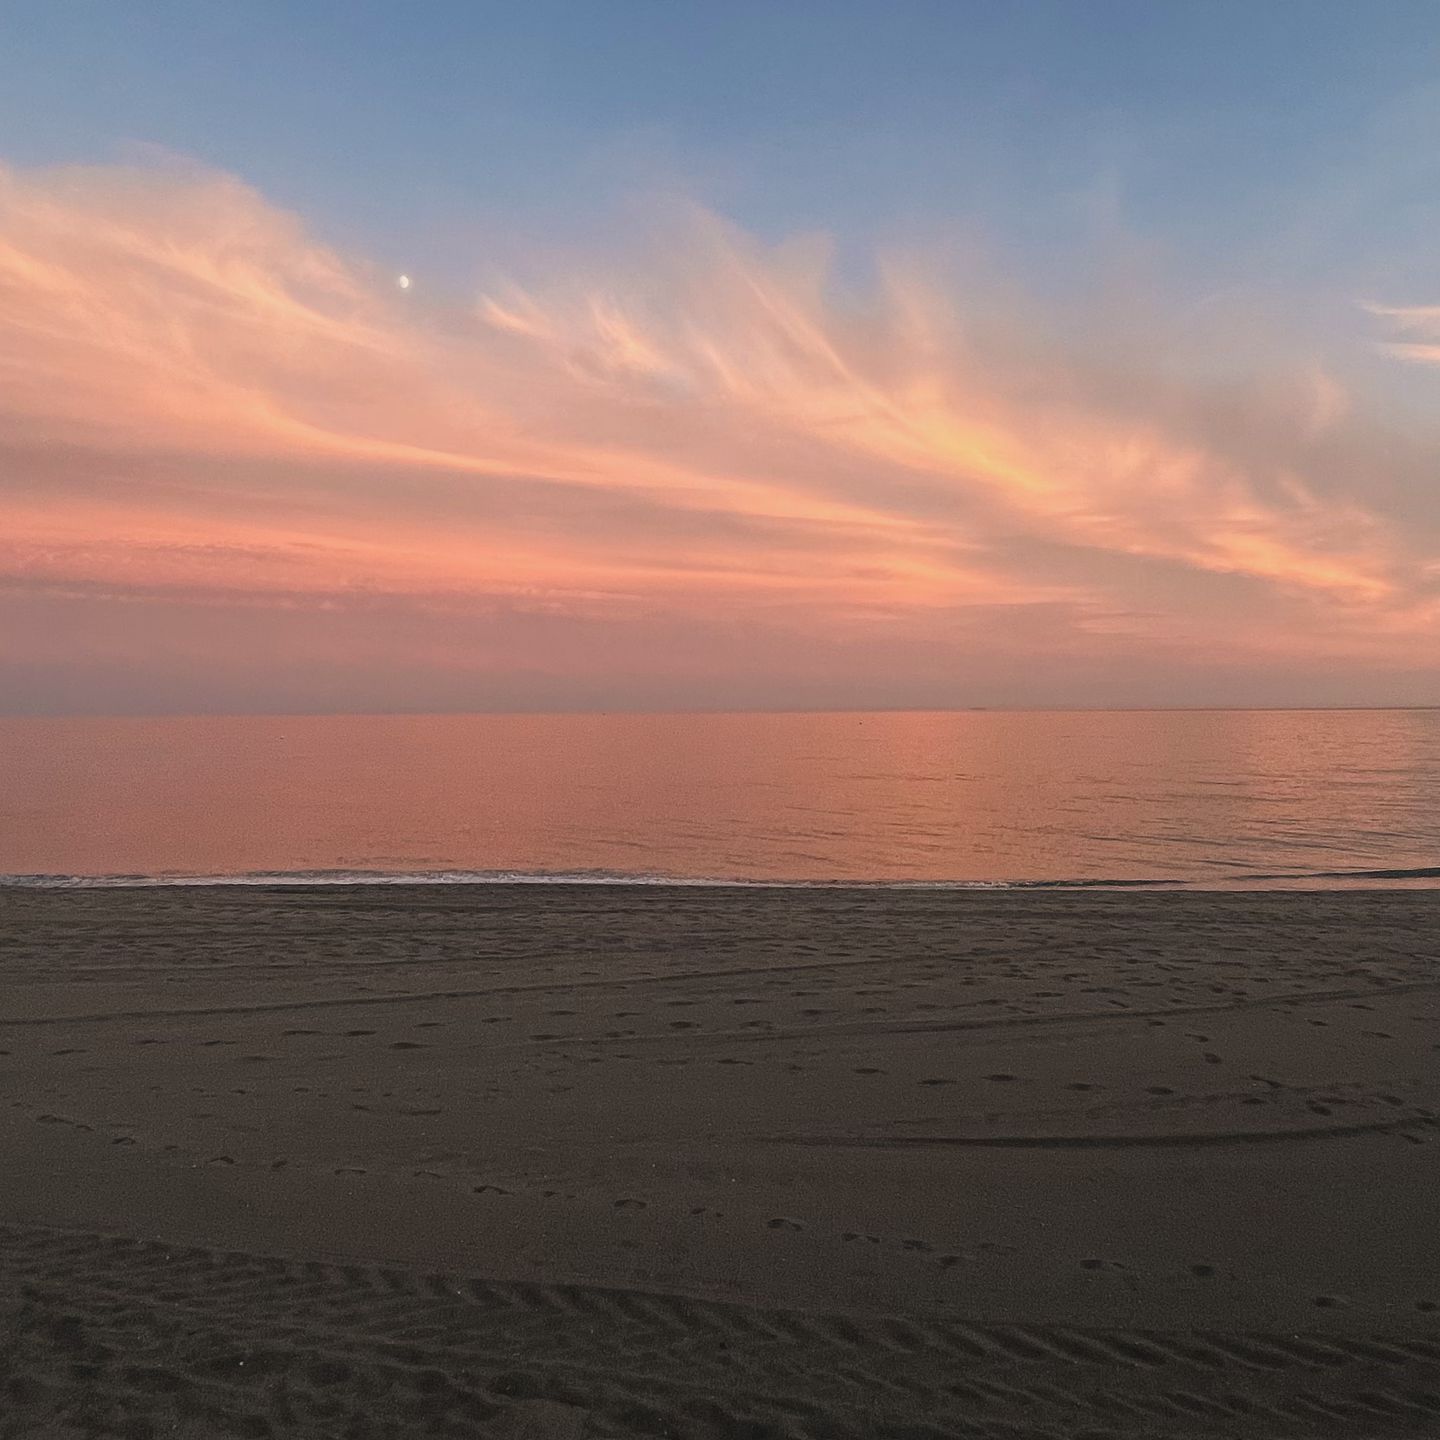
1420, 324
199, 401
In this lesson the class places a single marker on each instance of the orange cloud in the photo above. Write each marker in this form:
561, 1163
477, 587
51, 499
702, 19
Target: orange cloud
199, 401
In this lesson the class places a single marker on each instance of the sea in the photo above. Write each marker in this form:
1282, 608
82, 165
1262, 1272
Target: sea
1193, 798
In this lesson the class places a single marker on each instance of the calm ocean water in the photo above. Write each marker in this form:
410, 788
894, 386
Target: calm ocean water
1212, 797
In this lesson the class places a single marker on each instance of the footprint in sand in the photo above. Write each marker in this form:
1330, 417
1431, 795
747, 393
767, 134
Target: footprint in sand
784, 1222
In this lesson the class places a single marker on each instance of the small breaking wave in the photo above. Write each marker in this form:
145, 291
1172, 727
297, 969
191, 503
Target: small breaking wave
1414, 876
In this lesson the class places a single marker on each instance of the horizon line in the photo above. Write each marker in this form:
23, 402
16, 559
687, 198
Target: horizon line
712, 711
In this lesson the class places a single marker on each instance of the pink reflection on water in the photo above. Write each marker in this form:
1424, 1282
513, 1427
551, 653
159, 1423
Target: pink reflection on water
973, 796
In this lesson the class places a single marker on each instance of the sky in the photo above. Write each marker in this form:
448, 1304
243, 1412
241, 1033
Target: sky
666, 355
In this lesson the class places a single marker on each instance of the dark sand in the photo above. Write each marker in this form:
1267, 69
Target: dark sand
493, 1161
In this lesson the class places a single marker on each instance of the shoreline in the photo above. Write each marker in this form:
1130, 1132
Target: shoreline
1422, 877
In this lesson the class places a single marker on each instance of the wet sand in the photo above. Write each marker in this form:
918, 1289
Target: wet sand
565, 1161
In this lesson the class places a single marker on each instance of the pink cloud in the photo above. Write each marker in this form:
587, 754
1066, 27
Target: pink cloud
204, 410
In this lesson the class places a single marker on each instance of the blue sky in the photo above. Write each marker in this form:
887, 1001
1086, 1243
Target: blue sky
1212, 129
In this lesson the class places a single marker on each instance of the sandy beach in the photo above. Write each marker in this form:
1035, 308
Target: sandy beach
575, 1161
